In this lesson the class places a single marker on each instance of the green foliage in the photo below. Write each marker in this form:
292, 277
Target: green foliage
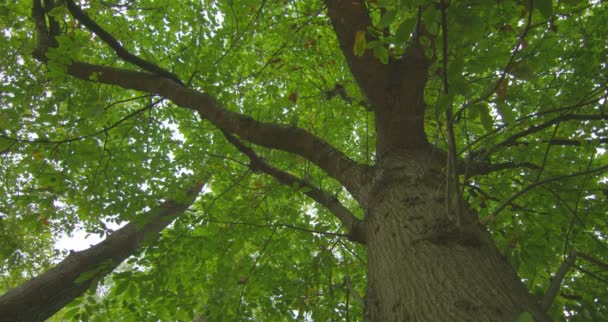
75, 154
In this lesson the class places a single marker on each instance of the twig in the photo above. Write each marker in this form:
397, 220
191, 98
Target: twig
452, 175
354, 292
534, 185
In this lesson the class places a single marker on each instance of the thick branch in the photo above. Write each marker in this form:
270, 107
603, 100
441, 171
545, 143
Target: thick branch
287, 138
349, 17
271, 135
84, 19
45, 294
395, 90
352, 223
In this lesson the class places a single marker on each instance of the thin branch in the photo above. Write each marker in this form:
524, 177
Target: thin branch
566, 142
352, 223
82, 137
535, 128
84, 19
564, 109
480, 168
505, 70
592, 274
593, 260
239, 35
277, 225
538, 183
452, 201
243, 284
557, 282
354, 292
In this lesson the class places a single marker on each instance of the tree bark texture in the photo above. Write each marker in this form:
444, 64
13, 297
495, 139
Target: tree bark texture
425, 265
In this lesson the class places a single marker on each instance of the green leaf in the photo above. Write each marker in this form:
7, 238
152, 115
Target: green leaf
523, 71
381, 53
445, 102
545, 7
4, 12
71, 313
484, 116
505, 111
86, 276
387, 19
405, 29
525, 317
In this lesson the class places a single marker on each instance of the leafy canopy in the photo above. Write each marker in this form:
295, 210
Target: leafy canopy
79, 155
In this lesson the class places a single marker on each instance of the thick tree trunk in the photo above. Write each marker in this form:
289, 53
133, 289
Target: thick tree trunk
426, 265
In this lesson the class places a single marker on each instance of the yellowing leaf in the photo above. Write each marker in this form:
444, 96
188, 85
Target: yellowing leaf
360, 43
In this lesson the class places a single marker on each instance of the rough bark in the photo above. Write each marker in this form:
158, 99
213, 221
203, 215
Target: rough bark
422, 265
44, 295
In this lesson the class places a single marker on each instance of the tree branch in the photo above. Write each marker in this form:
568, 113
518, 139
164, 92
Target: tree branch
395, 89
349, 17
354, 226
593, 260
44, 295
566, 142
277, 225
354, 292
84, 19
538, 183
533, 129
271, 135
557, 282
474, 168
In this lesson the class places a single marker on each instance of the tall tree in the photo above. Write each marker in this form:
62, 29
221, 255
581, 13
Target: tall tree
422, 153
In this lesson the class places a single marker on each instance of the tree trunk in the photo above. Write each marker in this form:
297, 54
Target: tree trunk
426, 265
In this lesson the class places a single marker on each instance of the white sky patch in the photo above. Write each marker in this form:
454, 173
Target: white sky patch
80, 239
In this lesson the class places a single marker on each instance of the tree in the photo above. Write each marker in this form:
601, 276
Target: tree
421, 153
